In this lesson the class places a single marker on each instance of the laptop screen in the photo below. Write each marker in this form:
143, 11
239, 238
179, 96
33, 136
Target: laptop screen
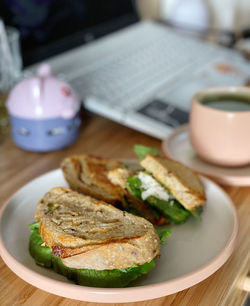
49, 27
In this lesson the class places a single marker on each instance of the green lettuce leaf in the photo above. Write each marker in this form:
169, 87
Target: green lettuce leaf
163, 232
170, 209
134, 187
196, 213
88, 277
141, 151
41, 253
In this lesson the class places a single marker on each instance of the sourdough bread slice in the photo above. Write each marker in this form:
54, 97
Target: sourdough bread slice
88, 174
73, 224
181, 181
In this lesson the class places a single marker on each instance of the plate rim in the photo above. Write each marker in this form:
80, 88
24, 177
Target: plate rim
119, 295
231, 180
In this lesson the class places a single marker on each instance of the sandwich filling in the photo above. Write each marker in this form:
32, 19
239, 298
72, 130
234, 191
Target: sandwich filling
146, 188
150, 187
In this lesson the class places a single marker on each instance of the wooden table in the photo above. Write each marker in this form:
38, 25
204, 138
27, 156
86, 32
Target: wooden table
105, 138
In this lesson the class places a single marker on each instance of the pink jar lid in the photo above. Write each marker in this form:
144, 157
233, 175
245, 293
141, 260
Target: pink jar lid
43, 97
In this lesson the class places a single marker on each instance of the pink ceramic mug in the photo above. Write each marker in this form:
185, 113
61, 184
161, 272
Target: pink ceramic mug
220, 125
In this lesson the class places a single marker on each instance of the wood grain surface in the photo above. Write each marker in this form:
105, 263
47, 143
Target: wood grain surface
105, 138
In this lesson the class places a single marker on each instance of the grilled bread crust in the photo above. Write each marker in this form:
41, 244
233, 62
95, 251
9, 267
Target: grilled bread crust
88, 174
73, 224
181, 181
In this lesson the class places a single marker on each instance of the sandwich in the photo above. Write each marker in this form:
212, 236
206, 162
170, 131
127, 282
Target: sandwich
159, 189
91, 242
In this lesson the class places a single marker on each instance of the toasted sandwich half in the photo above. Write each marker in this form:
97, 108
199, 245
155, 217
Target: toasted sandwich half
90, 241
169, 187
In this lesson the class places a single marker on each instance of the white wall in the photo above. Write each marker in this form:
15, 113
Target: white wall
230, 14
242, 19
225, 14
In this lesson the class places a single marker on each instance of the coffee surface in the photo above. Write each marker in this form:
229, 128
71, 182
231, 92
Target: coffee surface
227, 102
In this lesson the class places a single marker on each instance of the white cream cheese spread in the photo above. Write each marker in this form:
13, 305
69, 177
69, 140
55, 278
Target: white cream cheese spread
152, 187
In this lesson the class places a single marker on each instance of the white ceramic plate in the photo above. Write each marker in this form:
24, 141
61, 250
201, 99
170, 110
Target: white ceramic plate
195, 250
178, 147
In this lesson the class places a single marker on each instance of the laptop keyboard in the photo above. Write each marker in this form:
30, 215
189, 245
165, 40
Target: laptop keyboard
134, 73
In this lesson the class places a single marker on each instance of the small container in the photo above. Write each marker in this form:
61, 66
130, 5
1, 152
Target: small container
44, 112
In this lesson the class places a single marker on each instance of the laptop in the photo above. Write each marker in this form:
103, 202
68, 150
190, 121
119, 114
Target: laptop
141, 74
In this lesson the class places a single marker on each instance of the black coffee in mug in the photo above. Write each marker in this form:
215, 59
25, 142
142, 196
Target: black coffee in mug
226, 102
